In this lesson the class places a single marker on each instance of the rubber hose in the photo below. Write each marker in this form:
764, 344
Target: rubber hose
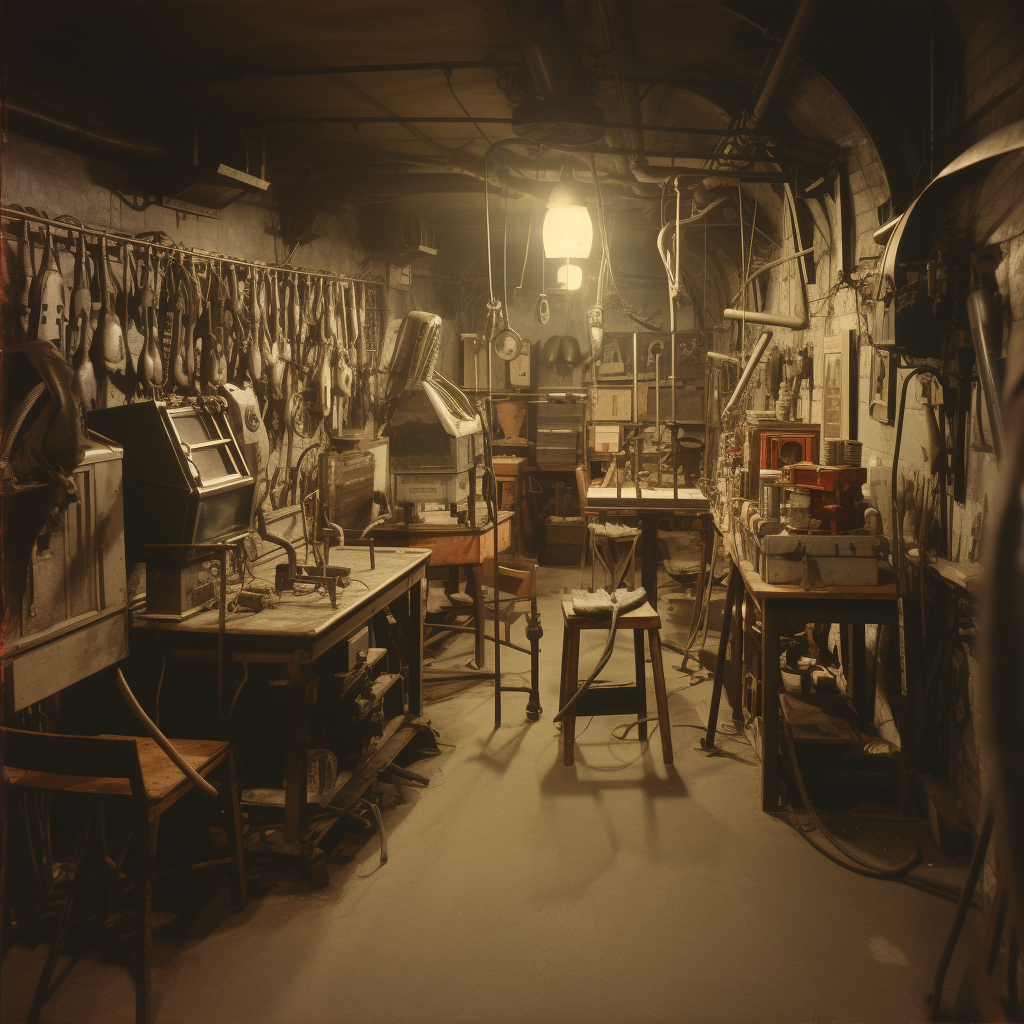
19, 418
860, 859
607, 653
162, 741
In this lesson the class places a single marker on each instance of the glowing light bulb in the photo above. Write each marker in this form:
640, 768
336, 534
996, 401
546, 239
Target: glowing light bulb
568, 231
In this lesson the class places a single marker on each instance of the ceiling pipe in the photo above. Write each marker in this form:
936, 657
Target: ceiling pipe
89, 136
783, 60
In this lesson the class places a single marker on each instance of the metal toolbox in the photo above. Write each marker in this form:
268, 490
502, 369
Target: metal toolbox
833, 561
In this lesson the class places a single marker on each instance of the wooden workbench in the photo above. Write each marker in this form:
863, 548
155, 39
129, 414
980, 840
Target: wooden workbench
782, 605
652, 504
457, 547
301, 630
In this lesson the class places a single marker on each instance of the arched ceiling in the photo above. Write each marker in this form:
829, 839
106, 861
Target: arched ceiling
207, 75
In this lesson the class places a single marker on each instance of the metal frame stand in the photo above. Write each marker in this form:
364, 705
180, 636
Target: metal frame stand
733, 599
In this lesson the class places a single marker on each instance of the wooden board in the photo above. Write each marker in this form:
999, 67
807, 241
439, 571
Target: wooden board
815, 720
159, 773
652, 499
644, 617
310, 615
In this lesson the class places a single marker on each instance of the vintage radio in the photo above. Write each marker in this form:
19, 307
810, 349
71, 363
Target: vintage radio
72, 619
771, 444
835, 493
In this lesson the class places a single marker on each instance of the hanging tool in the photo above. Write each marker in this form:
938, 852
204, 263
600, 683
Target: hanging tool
80, 332
27, 274
48, 300
110, 339
150, 368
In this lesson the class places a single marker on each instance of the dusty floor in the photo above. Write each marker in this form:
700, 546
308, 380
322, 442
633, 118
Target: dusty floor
520, 890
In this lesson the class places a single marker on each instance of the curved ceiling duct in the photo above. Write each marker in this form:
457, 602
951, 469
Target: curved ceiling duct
556, 105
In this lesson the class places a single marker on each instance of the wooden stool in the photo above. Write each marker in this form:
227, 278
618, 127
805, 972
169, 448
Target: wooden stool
613, 700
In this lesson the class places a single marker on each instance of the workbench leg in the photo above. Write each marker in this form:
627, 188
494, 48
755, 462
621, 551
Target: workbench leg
563, 678
233, 830
649, 558
698, 591
572, 685
733, 595
479, 636
660, 696
862, 691
641, 681
414, 641
771, 625
735, 690
295, 815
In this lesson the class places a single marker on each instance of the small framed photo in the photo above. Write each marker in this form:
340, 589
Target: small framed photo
882, 386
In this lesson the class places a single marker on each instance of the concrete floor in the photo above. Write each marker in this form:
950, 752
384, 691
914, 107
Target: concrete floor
520, 890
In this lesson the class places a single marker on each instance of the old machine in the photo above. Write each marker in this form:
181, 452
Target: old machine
436, 439
187, 489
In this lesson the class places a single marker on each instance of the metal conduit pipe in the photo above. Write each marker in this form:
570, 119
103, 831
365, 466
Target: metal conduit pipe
783, 59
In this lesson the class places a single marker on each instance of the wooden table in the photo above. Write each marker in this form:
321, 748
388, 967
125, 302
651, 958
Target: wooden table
782, 605
655, 503
300, 631
457, 547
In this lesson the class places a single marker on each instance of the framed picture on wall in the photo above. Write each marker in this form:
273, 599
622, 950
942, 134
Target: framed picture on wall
836, 407
882, 385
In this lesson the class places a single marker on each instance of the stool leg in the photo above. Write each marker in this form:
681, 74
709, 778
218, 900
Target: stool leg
641, 682
572, 684
660, 695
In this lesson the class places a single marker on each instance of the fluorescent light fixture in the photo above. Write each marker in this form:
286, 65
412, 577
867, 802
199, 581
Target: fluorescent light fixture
568, 230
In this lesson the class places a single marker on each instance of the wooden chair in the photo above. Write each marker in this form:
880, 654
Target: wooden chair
607, 537
134, 771
516, 578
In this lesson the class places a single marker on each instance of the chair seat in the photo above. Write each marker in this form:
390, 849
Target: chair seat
614, 531
161, 777
644, 617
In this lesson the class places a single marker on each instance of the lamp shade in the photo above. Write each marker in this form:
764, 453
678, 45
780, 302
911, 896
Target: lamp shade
568, 230
570, 277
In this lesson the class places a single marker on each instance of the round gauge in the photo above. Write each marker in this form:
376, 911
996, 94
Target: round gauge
507, 344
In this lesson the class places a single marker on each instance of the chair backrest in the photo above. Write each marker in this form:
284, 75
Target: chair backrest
86, 756
518, 579
582, 485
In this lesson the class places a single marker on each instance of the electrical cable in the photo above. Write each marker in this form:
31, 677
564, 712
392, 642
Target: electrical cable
966, 895
451, 89
162, 741
862, 860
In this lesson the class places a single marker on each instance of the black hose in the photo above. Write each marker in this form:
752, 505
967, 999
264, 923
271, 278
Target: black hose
966, 895
863, 861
